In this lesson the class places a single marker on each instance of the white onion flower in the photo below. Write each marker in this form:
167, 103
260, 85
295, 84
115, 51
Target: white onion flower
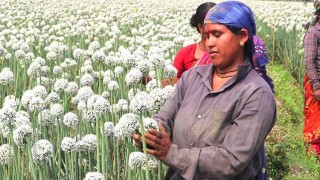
56, 110
86, 80
40, 91
91, 140
133, 77
36, 104
94, 176
152, 162
113, 85
42, 151
98, 105
60, 85
57, 70
127, 125
72, 88
139, 103
70, 119
68, 144
170, 71
150, 123
6, 76
84, 93
137, 160
6, 154
53, 97
45, 118
109, 129
20, 133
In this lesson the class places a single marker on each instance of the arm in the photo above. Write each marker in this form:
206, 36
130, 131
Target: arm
178, 62
310, 46
242, 142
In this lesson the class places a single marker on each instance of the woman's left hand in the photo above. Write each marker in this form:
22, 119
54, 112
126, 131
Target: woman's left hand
160, 142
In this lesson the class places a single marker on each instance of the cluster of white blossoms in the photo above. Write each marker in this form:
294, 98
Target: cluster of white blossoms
94, 176
6, 76
170, 71
109, 129
87, 143
149, 123
6, 154
19, 134
134, 76
137, 160
70, 119
127, 126
68, 144
42, 151
138, 103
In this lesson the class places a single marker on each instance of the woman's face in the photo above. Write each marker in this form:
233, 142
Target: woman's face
225, 48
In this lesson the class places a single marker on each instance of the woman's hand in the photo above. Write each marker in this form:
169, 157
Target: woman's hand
160, 142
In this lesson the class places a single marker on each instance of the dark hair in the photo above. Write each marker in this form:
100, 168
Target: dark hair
200, 14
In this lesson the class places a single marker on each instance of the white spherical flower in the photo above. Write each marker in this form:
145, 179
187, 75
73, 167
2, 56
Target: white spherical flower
98, 56
132, 93
81, 146
133, 77
56, 110
106, 80
44, 81
53, 97
51, 56
42, 151
7, 114
152, 74
60, 85
68, 144
45, 118
45, 70
150, 123
152, 162
168, 90
139, 103
36, 104
21, 119
90, 139
20, 54
170, 71
57, 70
137, 160
151, 85
26, 98
113, 85
40, 60
81, 106
98, 105
157, 60
6, 154
11, 103
144, 66
94, 176
40, 91
6, 76
20, 133
75, 100
118, 70
105, 94
94, 46
84, 93
72, 88
122, 105
109, 129
77, 53
86, 80
126, 126
34, 69
5, 130
70, 119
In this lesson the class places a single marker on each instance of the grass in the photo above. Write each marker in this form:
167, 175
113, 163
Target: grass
287, 158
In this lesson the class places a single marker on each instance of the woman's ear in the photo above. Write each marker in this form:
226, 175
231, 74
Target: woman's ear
200, 27
244, 36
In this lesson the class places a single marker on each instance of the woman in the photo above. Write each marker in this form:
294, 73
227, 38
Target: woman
190, 55
216, 121
311, 133
196, 54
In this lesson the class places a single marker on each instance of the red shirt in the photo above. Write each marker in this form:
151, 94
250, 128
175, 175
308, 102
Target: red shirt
185, 59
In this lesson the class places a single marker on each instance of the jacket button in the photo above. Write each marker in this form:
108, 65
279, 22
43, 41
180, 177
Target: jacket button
199, 116
191, 143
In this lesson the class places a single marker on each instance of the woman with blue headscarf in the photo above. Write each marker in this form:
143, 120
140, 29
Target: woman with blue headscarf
216, 121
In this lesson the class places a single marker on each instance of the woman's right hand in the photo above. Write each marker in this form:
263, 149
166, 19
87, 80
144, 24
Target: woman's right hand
316, 94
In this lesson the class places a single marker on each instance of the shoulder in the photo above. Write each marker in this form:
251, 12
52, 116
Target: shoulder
188, 48
255, 83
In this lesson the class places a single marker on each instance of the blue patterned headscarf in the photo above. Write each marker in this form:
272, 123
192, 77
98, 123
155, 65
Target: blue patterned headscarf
235, 15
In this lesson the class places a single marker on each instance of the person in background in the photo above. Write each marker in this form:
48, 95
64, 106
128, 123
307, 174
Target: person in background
215, 123
311, 44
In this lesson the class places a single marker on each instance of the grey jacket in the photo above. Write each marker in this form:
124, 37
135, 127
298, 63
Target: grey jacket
217, 134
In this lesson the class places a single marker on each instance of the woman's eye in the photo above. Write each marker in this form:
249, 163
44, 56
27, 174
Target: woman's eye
217, 35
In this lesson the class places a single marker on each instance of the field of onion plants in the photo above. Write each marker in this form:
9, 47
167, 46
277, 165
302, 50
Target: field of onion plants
70, 78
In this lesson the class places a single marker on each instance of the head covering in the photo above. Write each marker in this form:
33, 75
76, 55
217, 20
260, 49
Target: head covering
316, 4
260, 52
314, 20
234, 14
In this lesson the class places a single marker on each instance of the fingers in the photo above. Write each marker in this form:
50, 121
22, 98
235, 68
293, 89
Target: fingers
161, 127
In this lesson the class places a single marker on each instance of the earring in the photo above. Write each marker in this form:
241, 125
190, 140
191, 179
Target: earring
241, 44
